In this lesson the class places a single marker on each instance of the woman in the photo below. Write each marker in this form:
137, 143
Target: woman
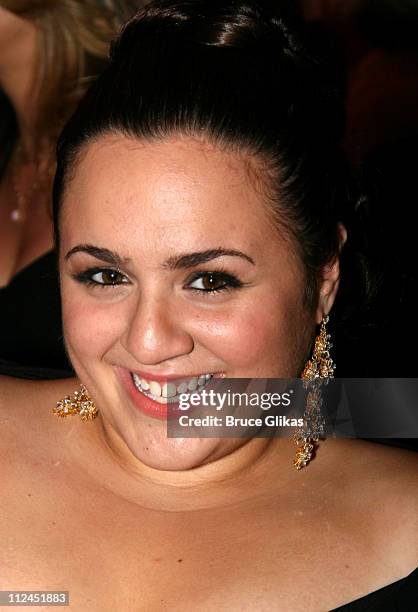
49, 52
197, 213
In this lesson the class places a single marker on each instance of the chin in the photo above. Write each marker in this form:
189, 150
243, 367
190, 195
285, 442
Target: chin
158, 452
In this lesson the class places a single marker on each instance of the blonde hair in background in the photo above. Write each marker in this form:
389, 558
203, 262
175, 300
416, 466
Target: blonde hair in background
72, 34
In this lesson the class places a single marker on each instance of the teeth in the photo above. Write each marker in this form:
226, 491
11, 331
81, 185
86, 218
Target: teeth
182, 388
155, 388
137, 381
168, 392
192, 386
160, 400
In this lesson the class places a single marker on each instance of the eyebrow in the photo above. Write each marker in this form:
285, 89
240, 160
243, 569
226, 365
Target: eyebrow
188, 260
99, 253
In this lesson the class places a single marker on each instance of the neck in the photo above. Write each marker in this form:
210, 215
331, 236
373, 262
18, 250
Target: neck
256, 468
18, 65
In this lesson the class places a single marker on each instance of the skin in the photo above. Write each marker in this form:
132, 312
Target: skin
187, 197
21, 243
18, 66
120, 517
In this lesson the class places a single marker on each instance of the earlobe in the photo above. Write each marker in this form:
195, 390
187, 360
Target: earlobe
330, 279
329, 286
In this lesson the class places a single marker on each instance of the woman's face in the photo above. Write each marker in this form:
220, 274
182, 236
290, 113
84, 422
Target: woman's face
171, 269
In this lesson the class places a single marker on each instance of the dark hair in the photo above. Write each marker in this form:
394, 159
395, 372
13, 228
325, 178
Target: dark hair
8, 131
246, 75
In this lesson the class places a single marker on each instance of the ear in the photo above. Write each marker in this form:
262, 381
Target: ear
330, 279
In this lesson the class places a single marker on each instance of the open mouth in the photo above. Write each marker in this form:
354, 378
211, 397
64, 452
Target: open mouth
161, 399
170, 392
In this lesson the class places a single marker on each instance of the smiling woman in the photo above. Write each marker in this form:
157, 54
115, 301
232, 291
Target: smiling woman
200, 201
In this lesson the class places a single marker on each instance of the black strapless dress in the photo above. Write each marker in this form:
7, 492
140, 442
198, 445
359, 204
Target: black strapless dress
400, 596
31, 344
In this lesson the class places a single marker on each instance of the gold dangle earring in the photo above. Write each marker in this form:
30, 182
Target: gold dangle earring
80, 403
316, 372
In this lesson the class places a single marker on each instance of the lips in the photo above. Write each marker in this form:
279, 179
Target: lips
160, 399
169, 392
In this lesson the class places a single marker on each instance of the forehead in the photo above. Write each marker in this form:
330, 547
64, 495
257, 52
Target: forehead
164, 193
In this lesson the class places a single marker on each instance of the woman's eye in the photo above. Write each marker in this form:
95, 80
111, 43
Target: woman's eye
213, 281
108, 277
101, 277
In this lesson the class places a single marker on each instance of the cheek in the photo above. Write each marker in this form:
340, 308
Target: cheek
242, 339
258, 342
90, 328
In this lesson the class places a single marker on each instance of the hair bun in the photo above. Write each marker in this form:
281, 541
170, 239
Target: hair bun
269, 37
220, 23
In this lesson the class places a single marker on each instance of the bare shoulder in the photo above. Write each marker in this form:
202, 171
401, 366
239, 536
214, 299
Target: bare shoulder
372, 460
381, 490
388, 465
25, 410
395, 474
383, 469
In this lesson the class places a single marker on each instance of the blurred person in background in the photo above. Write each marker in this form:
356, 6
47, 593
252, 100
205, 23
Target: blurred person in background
49, 53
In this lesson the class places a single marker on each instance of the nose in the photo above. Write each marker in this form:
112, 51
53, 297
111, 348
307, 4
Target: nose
155, 332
